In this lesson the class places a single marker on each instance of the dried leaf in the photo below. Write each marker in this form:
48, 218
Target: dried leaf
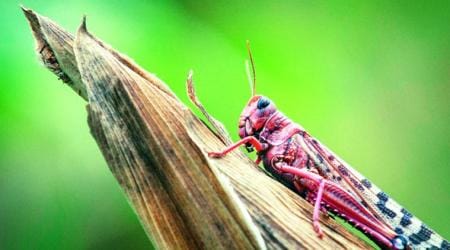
54, 46
155, 147
144, 130
222, 133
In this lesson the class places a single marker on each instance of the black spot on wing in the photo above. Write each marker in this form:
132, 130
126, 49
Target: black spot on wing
445, 245
383, 196
386, 210
356, 184
320, 158
406, 219
366, 183
364, 204
381, 204
343, 170
398, 230
424, 234
359, 186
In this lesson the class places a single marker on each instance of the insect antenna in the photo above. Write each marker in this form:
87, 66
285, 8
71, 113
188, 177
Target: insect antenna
251, 80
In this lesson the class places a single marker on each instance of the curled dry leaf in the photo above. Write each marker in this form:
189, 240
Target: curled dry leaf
155, 147
55, 49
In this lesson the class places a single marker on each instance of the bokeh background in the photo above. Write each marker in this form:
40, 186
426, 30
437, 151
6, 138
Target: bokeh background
371, 80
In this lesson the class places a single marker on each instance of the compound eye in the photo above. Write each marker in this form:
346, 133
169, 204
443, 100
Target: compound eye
262, 103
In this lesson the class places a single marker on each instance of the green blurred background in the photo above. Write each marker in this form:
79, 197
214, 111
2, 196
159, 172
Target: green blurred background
371, 80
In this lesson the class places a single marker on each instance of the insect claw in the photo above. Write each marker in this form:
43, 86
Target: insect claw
317, 229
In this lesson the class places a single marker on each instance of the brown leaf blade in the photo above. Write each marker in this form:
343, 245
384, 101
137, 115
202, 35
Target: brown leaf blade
155, 147
54, 46
145, 131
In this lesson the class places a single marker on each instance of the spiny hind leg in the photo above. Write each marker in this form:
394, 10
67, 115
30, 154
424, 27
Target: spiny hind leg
317, 209
316, 178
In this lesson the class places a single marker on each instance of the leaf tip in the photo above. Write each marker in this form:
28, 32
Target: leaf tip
83, 27
28, 12
190, 85
24, 9
82, 31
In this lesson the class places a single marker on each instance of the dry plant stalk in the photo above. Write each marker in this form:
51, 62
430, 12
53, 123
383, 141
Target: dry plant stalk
155, 147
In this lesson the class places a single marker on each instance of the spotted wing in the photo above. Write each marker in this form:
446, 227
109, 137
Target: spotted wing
384, 207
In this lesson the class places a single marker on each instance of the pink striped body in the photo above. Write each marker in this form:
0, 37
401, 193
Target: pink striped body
285, 144
305, 165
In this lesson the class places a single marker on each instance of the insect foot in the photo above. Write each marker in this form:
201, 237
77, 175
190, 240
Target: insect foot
215, 154
318, 229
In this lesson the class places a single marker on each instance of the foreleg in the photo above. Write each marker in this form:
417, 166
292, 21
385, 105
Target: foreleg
249, 139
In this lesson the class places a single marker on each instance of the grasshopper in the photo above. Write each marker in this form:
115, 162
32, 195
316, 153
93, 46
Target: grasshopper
308, 167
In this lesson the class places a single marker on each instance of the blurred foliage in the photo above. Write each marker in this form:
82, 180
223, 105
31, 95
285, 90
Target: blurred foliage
370, 79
